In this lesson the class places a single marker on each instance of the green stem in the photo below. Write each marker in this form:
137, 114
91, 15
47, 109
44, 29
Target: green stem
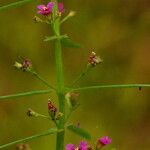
60, 93
15, 4
110, 86
48, 132
70, 112
60, 82
83, 73
25, 94
42, 80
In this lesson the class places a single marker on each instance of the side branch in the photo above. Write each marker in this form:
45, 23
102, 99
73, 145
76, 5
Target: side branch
43, 80
15, 4
48, 132
110, 86
81, 75
25, 94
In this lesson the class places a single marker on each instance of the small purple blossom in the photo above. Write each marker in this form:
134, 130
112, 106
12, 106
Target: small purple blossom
83, 145
61, 8
45, 10
105, 140
26, 63
70, 147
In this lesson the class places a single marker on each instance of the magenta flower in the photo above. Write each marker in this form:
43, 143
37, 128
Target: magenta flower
70, 147
83, 145
61, 8
45, 10
93, 59
105, 140
26, 63
51, 107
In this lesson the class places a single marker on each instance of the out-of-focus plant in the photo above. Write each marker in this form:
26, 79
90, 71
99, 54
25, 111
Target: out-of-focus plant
53, 14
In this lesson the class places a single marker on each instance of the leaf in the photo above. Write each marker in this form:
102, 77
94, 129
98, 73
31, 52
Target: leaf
15, 4
119, 86
24, 94
51, 38
30, 138
79, 131
67, 42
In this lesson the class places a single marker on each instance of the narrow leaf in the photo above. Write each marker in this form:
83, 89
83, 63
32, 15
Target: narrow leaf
15, 4
25, 94
119, 86
51, 38
79, 131
69, 43
30, 138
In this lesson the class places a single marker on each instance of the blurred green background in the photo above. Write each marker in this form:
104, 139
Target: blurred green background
117, 30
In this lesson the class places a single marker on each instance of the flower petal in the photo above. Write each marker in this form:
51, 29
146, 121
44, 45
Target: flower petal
105, 140
40, 7
83, 145
50, 5
70, 147
61, 7
40, 12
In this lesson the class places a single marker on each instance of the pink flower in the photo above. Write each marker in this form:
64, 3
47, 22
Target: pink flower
26, 63
105, 140
61, 8
45, 10
51, 107
83, 145
70, 147
93, 59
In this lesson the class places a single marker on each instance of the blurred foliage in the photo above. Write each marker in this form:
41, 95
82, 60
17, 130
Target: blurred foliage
119, 31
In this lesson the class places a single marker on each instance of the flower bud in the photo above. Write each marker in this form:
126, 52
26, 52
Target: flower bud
59, 115
32, 113
27, 66
18, 65
72, 13
23, 147
37, 19
52, 110
72, 99
94, 59
58, 14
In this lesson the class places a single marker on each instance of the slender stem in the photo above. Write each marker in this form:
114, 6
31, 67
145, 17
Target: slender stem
33, 137
15, 4
25, 94
61, 97
60, 81
43, 80
44, 116
81, 75
70, 112
110, 86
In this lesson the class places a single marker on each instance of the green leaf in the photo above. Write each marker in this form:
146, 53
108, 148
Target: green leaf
117, 86
30, 138
15, 4
79, 131
69, 43
51, 38
25, 94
